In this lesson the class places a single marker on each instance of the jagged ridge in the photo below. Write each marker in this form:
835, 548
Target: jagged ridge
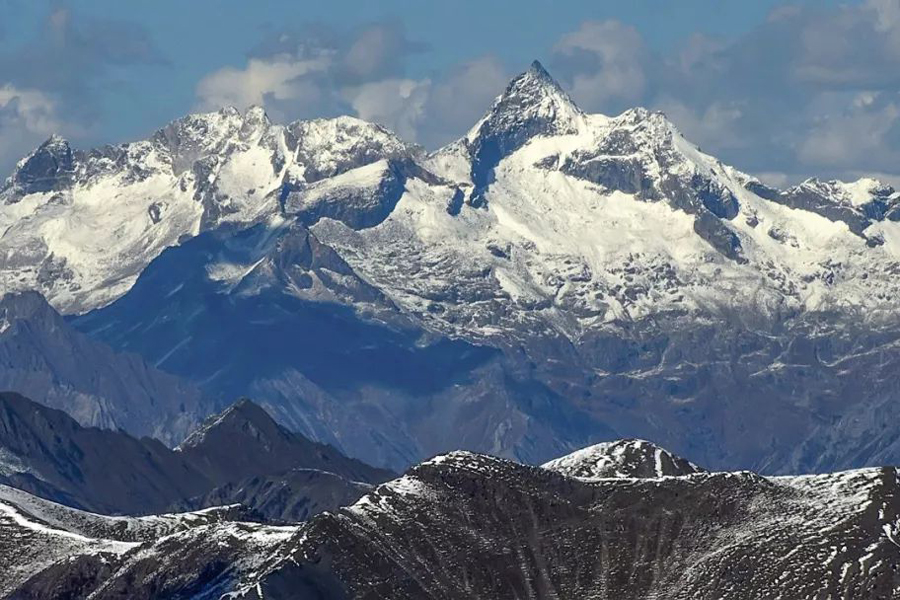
469, 525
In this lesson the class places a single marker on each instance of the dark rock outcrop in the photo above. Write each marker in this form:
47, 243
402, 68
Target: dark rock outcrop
50, 168
472, 526
533, 104
45, 358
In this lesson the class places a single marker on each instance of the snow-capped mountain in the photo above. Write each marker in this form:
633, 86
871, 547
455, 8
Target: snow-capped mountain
465, 525
552, 279
544, 188
80, 226
622, 458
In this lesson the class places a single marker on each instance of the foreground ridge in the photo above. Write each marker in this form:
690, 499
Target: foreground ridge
471, 525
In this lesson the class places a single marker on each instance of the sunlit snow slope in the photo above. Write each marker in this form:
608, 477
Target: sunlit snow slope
551, 279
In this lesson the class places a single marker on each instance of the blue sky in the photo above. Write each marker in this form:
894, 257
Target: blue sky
786, 90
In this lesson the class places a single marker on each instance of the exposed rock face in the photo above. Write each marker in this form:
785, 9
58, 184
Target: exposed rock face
859, 204
50, 168
50, 455
45, 452
472, 526
243, 441
532, 105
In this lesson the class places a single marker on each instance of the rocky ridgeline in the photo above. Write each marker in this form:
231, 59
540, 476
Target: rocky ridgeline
465, 525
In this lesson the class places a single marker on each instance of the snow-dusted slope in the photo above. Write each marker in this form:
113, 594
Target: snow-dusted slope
583, 220
622, 458
36, 533
589, 218
466, 525
80, 226
28, 544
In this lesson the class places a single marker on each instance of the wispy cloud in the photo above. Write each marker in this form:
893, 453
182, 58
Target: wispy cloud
55, 81
812, 90
361, 72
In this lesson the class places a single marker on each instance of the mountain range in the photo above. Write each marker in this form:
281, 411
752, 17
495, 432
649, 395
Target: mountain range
623, 520
550, 280
240, 456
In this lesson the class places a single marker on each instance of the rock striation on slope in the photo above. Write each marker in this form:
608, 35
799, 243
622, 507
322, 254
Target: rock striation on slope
44, 357
464, 525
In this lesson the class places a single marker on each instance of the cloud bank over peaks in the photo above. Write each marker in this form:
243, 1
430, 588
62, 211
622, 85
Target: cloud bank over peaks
314, 74
813, 90
55, 80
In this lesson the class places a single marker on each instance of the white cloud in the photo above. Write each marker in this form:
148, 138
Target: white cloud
853, 45
887, 23
33, 109
887, 13
301, 76
776, 179
809, 90
717, 124
456, 102
375, 52
278, 77
606, 58
856, 138
27, 117
398, 104
812, 90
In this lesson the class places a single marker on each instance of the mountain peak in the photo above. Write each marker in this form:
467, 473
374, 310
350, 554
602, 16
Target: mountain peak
265, 446
533, 102
622, 458
24, 303
242, 415
26, 306
536, 72
255, 122
255, 110
532, 105
48, 169
55, 141
536, 69
870, 197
